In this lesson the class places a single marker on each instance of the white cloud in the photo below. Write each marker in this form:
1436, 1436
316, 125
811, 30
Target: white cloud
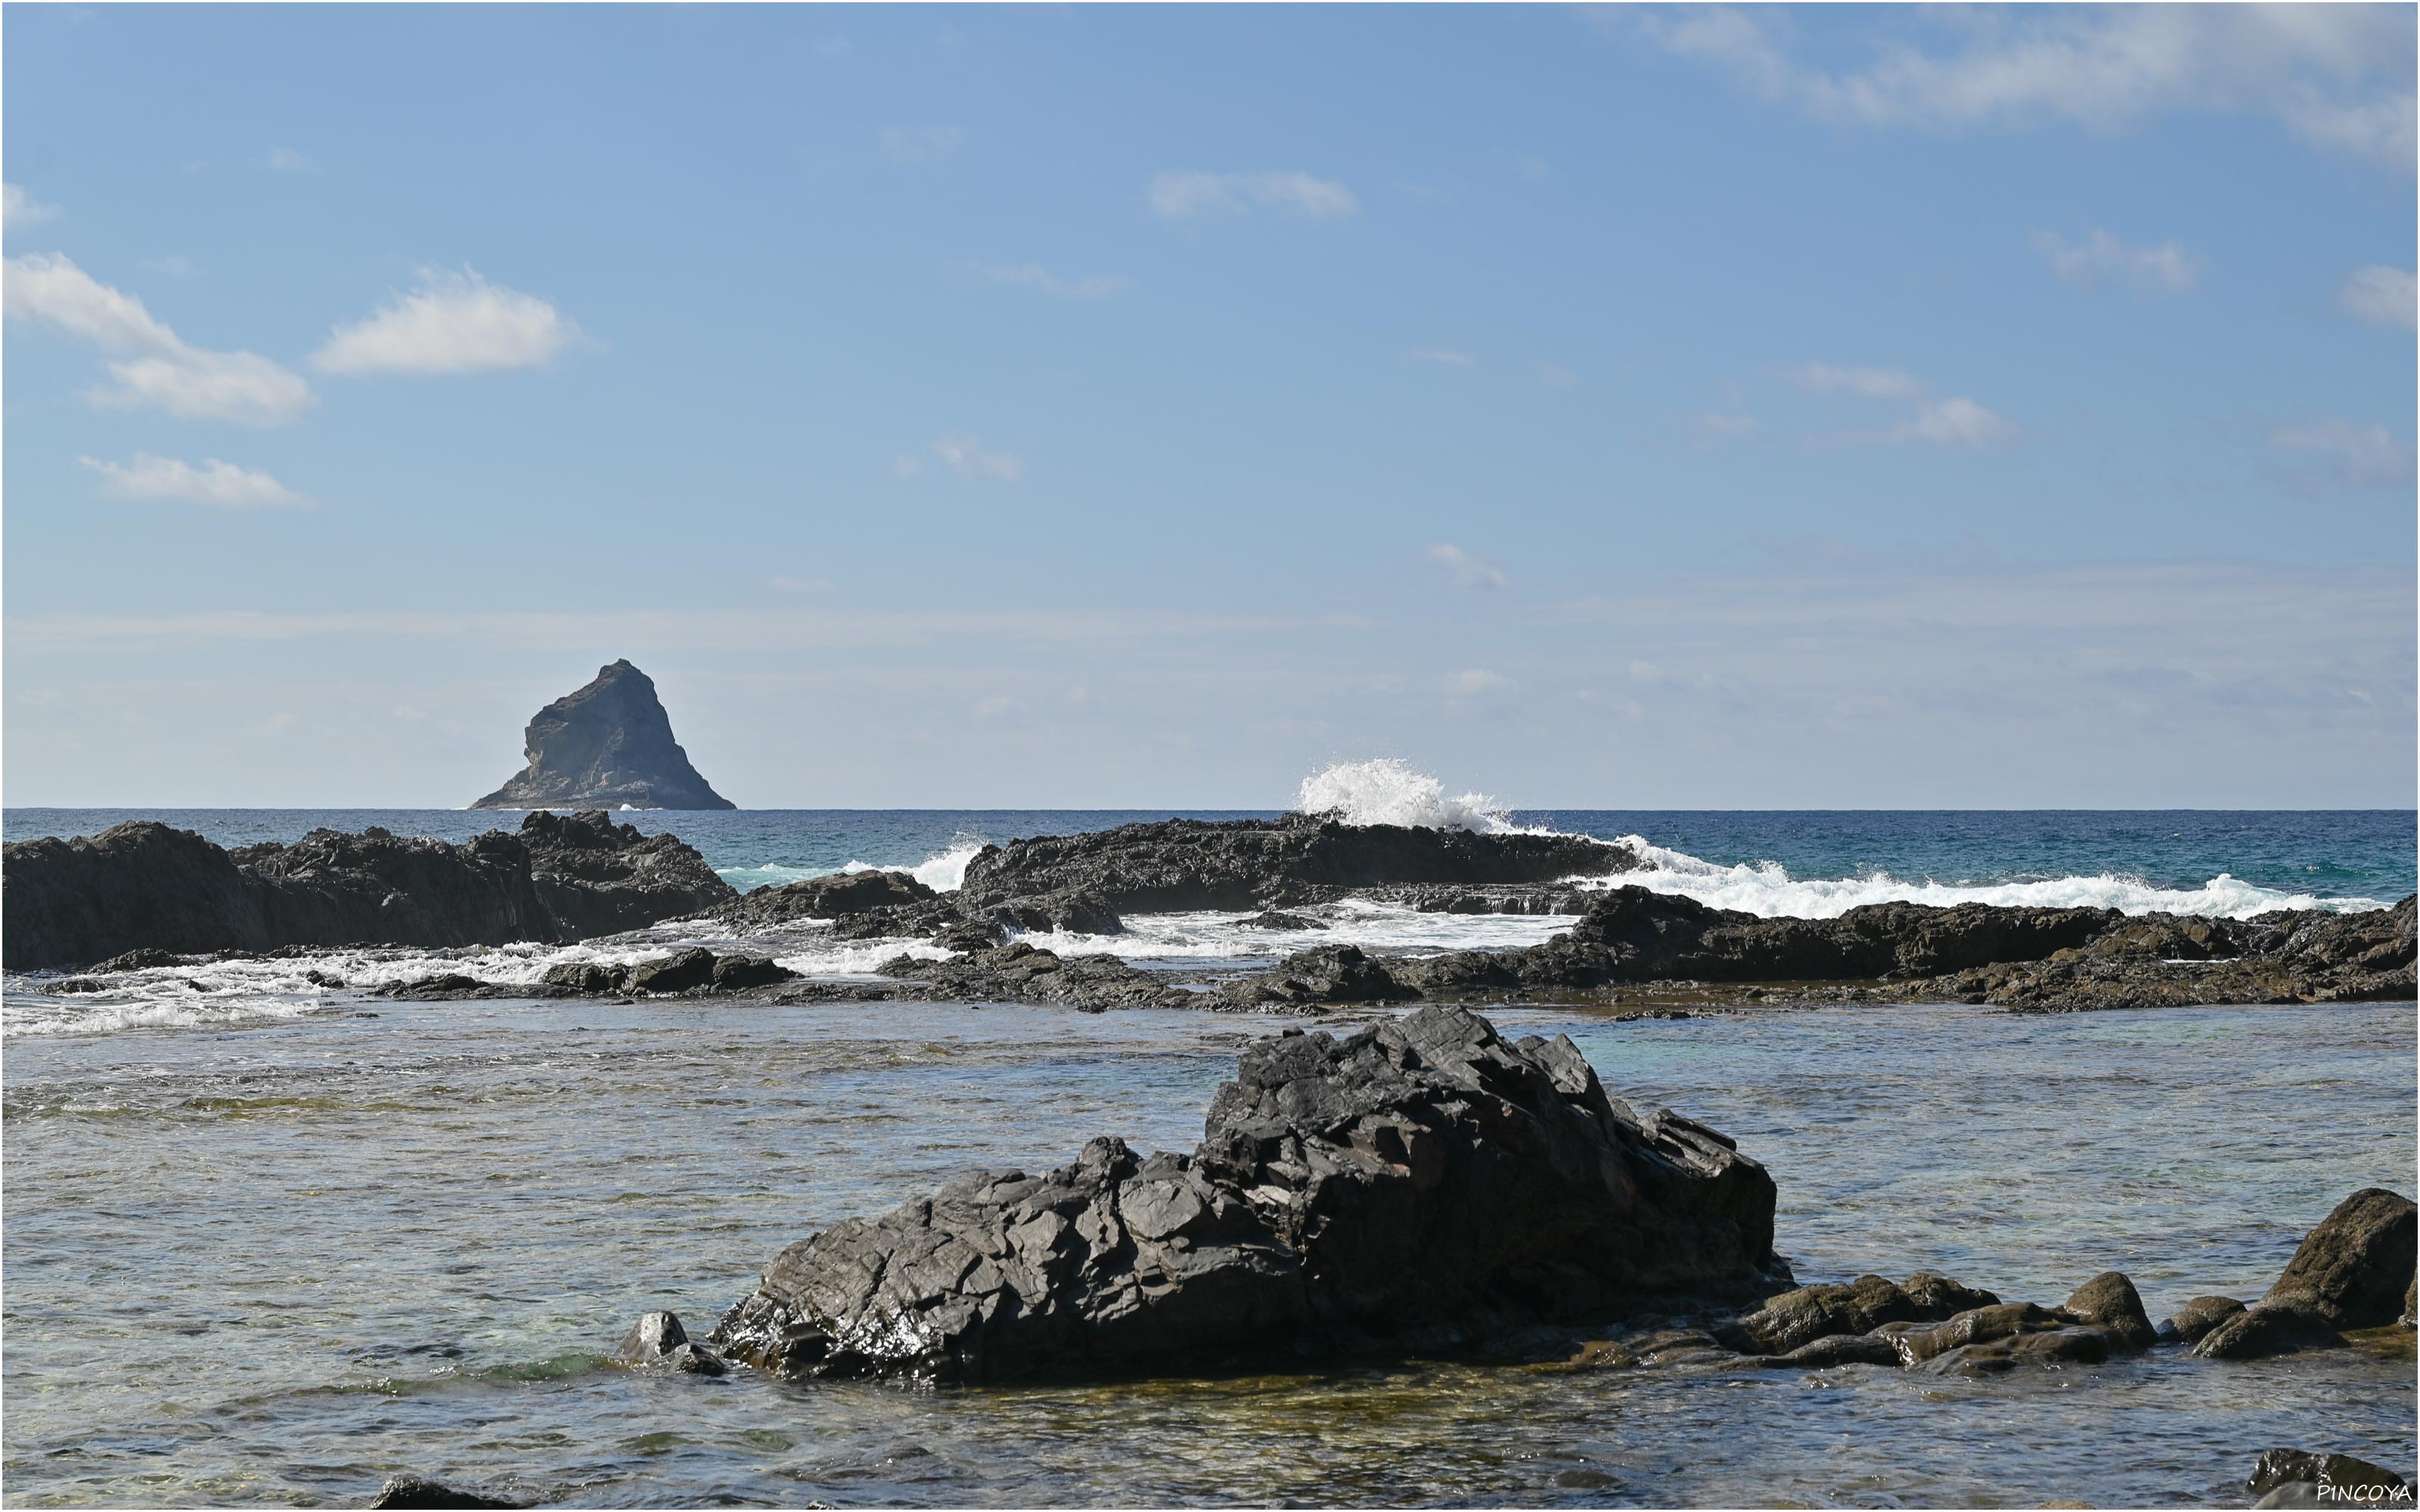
1178, 196
2339, 77
1936, 421
1469, 571
1478, 683
919, 147
17, 211
214, 482
1442, 358
964, 455
2358, 457
2381, 296
2166, 268
451, 323
158, 369
286, 160
1043, 281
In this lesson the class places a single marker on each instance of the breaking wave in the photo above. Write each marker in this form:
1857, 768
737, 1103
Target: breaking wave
1767, 890
1388, 792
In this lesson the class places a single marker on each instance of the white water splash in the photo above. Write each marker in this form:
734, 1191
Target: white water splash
1768, 890
1388, 792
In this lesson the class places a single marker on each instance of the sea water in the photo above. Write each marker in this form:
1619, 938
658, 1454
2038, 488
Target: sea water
269, 1240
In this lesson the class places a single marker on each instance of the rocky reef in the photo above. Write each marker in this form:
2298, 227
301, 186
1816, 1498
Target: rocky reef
1423, 1184
144, 885
608, 744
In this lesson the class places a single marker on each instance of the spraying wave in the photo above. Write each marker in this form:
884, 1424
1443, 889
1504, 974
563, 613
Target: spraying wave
1768, 890
945, 870
1388, 792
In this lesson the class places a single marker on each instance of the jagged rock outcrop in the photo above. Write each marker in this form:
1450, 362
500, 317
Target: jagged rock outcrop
597, 877
1019, 973
1424, 1183
841, 895
141, 889
1249, 864
609, 744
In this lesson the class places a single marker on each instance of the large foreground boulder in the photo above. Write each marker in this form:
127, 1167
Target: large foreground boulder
1423, 1184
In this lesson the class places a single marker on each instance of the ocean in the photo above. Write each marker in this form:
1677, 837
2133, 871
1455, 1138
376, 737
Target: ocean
270, 1240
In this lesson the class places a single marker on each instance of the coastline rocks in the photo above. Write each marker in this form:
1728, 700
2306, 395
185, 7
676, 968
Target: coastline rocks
1423, 1184
658, 1339
694, 970
1249, 864
2356, 1267
2197, 1317
1326, 974
841, 895
597, 877
609, 744
1019, 973
2109, 1302
2280, 1468
2264, 1329
1794, 1319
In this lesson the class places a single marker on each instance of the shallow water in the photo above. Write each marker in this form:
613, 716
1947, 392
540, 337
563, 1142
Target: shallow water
274, 1264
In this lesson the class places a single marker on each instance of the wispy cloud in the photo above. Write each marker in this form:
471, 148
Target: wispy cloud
2100, 259
1042, 280
1469, 571
286, 160
919, 146
1478, 683
2353, 455
451, 323
1178, 196
1442, 358
1933, 418
222, 483
965, 455
154, 369
2380, 296
2339, 77
1713, 429
18, 210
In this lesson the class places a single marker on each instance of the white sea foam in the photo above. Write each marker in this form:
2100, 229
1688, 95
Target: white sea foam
1205, 937
944, 872
1767, 890
1387, 792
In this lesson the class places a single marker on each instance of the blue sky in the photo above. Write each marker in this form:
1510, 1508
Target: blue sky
1090, 405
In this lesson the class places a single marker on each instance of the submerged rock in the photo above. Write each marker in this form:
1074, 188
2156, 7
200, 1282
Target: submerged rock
1423, 1184
609, 744
2197, 1317
420, 1492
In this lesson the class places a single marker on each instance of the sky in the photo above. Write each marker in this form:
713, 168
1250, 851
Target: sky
1106, 406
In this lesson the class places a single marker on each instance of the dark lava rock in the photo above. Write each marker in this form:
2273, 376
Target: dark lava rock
607, 744
1273, 919
2291, 1467
1423, 1184
1838, 1350
2266, 1329
1243, 864
842, 894
420, 1492
733, 973
1019, 973
689, 970
2109, 1301
658, 1339
1070, 910
2354, 1268
597, 877
1793, 1319
676, 973
2072, 1345
143, 960
1327, 973
589, 978
2197, 1318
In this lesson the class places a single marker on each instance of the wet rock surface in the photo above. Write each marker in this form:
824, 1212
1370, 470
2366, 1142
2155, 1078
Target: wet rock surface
142, 894
1250, 864
841, 895
608, 743
1524, 1192
2355, 1268
419, 1491
1019, 973
2279, 1468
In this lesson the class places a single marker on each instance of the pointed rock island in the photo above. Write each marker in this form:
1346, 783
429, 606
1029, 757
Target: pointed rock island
608, 745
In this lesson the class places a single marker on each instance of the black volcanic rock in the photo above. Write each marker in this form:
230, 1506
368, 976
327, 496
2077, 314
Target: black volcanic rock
141, 889
609, 744
598, 877
1248, 864
1421, 1184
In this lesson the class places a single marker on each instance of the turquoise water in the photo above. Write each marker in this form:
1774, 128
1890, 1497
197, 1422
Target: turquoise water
275, 1264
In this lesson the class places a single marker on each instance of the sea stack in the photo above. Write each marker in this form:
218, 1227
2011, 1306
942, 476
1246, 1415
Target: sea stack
610, 744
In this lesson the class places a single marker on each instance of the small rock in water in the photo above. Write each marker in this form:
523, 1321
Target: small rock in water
1272, 918
2282, 1471
674, 973
657, 1339
2109, 1301
2197, 1318
420, 1492
2265, 1329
